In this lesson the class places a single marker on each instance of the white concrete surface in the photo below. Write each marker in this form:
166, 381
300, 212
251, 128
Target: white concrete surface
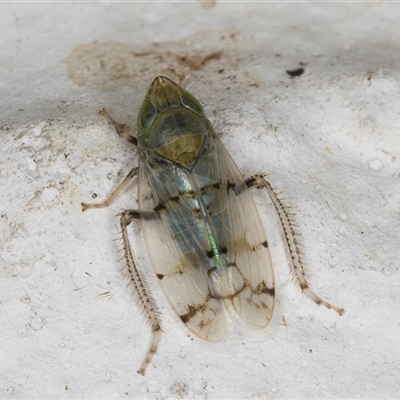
329, 140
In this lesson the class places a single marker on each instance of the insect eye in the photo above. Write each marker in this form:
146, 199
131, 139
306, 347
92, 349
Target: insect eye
147, 115
190, 102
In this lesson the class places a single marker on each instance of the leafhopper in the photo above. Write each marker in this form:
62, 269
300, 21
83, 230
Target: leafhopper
203, 233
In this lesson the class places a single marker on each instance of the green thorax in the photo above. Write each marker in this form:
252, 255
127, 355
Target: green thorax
171, 122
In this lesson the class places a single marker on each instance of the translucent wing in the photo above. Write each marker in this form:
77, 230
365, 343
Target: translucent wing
243, 235
206, 241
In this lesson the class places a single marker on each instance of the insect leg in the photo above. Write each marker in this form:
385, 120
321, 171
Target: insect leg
123, 130
142, 291
290, 241
133, 172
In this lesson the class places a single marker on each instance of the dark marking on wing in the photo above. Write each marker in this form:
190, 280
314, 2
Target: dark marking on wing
230, 186
265, 244
206, 188
159, 207
262, 288
211, 270
210, 253
197, 213
193, 309
232, 264
190, 193
160, 276
227, 186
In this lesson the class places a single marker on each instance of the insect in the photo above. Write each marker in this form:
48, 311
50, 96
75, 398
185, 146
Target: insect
207, 245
